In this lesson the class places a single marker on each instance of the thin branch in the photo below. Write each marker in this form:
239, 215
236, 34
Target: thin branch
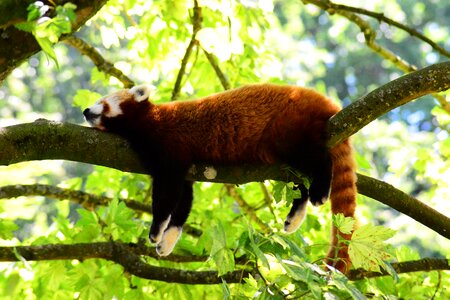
422, 265
122, 254
250, 211
268, 199
389, 195
87, 200
98, 60
369, 37
222, 77
196, 24
382, 18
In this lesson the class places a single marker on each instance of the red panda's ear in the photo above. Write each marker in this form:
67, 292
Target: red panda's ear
142, 92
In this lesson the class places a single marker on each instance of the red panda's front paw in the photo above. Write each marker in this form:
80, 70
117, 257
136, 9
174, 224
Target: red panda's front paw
168, 240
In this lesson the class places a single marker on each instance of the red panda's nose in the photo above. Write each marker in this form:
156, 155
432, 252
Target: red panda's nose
89, 115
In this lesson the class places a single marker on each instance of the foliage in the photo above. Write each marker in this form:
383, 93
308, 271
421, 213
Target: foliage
47, 30
252, 41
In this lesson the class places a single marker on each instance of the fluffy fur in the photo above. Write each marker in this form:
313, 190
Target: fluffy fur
259, 124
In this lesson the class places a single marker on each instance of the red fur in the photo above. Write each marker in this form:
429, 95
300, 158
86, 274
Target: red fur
253, 124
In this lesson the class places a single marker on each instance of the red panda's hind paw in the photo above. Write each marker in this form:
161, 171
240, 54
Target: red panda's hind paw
295, 219
155, 237
168, 240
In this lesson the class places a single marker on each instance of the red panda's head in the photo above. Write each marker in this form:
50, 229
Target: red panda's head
118, 110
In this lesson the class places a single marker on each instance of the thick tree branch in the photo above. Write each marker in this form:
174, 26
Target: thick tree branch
49, 140
17, 45
126, 255
433, 79
98, 60
129, 256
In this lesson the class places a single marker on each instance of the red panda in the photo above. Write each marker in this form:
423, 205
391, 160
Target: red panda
254, 124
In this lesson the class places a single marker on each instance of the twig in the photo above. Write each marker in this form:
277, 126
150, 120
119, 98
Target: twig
98, 60
212, 61
231, 190
196, 24
382, 18
268, 199
370, 35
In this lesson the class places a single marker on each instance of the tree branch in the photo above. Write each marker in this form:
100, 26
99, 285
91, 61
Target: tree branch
250, 211
432, 79
17, 45
51, 140
382, 18
404, 203
87, 200
98, 60
370, 35
196, 24
126, 255
129, 257
424, 265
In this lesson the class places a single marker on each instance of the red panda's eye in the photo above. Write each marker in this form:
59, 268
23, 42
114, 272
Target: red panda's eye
106, 108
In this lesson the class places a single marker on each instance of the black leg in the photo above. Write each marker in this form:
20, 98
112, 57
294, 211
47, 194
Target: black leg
183, 208
178, 217
166, 194
320, 188
298, 211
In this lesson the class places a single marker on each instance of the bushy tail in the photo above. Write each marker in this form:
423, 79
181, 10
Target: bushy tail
343, 200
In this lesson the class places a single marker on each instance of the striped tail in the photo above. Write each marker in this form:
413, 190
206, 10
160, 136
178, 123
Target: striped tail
343, 200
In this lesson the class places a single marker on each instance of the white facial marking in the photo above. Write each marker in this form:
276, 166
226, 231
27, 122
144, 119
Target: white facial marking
142, 92
162, 227
210, 173
293, 223
97, 108
114, 106
169, 240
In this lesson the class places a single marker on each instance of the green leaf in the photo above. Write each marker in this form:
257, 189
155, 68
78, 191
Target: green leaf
47, 47
26, 26
344, 224
36, 10
367, 248
85, 98
220, 254
7, 228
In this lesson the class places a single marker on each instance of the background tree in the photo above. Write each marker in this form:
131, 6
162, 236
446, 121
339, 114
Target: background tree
92, 246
